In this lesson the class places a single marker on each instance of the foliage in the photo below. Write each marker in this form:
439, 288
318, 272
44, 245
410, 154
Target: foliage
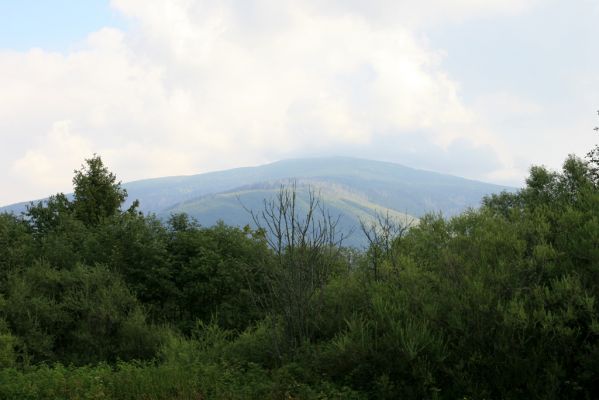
499, 302
215, 271
82, 315
97, 194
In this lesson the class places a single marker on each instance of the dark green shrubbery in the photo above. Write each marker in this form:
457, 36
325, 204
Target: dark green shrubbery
497, 303
82, 315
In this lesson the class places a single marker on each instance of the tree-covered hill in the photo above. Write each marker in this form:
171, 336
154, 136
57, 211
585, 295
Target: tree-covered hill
387, 184
355, 189
234, 207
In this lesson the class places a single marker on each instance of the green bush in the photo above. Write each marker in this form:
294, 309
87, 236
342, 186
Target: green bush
79, 316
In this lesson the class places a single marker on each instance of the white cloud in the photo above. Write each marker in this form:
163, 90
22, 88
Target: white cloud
50, 165
500, 106
423, 13
202, 85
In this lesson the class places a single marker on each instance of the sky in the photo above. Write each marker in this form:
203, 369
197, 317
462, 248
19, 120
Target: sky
479, 89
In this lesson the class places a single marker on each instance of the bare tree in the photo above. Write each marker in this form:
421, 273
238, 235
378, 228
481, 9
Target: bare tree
304, 237
383, 234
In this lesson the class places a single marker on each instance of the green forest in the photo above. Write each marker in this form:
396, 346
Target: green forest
500, 302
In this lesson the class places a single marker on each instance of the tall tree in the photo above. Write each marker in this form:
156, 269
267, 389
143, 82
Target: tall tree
98, 195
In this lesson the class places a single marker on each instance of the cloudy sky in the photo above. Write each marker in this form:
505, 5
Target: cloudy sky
477, 88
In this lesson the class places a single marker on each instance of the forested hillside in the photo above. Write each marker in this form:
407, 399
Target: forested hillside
355, 189
101, 301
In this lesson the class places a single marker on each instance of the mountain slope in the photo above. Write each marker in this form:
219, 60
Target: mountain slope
390, 185
356, 188
345, 207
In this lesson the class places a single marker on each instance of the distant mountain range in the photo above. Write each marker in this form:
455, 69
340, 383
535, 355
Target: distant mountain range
354, 189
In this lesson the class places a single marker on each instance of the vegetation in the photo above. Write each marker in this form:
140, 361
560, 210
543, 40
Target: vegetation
101, 302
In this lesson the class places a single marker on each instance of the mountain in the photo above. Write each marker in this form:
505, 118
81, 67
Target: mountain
235, 207
353, 188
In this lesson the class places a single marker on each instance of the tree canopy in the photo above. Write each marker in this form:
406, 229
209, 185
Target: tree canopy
97, 194
498, 302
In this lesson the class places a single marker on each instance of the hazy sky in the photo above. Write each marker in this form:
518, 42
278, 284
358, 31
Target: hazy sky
481, 89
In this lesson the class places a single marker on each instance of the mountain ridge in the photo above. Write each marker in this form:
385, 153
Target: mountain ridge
355, 187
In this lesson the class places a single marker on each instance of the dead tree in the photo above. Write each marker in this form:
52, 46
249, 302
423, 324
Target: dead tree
305, 241
383, 234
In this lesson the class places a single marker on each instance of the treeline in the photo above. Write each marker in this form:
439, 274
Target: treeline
100, 302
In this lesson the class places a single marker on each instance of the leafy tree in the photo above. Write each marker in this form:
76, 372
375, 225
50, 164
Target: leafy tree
16, 245
80, 315
215, 272
97, 194
58, 236
136, 247
46, 216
